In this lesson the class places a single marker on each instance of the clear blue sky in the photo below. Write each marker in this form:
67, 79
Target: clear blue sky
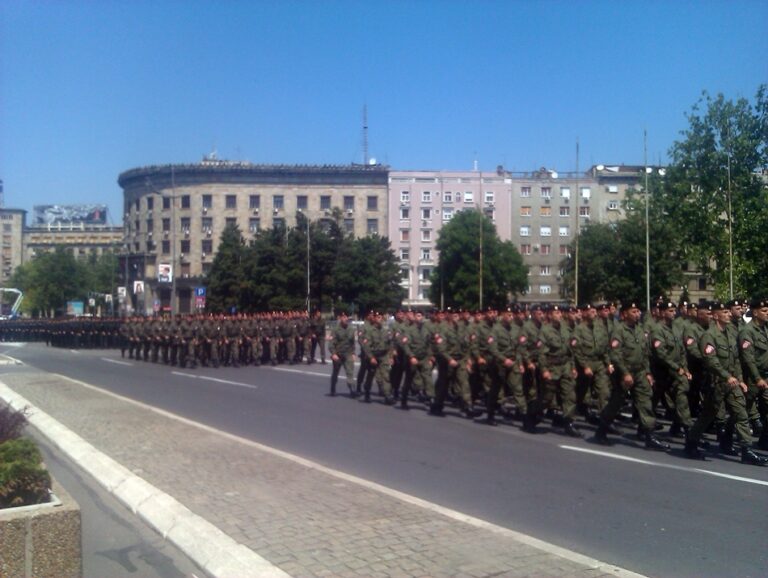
89, 89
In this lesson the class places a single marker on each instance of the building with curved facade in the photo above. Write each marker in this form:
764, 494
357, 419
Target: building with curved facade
175, 214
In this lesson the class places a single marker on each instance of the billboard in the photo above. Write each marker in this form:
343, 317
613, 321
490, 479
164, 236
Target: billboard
43, 215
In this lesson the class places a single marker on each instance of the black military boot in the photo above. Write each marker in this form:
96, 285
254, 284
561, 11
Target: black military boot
529, 423
757, 427
601, 435
676, 430
654, 443
333, 388
751, 458
367, 398
725, 442
436, 410
571, 430
692, 450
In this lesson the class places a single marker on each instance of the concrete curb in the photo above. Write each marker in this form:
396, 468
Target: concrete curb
210, 548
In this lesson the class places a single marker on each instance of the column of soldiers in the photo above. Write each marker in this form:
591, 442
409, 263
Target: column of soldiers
702, 365
215, 340
72, 333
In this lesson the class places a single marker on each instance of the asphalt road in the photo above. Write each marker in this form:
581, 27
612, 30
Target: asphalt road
650, 512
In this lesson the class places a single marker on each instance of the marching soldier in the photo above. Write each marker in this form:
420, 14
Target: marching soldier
629, 355
753, 349
342, 348
721, 360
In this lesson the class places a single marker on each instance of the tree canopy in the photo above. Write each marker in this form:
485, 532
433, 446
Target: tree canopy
456, 280
270, 273
51, 279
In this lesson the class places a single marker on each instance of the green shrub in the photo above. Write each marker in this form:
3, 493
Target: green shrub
12, 422
23, 479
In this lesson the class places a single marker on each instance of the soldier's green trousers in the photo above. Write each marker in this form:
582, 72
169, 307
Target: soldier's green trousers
641, 392
719, 394
348, 362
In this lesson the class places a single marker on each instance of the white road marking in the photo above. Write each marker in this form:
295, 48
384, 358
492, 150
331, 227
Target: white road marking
661, 465
217, 380
328, 375
413, 500
108, 360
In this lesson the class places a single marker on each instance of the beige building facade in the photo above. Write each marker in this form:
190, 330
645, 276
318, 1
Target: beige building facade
539, 211
12, 251
175, 214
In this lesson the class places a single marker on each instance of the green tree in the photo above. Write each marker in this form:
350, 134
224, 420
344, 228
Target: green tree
723, 155
367, 275
50, 280
226, 280
456, 280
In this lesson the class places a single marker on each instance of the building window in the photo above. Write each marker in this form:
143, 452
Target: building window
426, 254
586, 192
206, 246
702, 283
525, 249
613, 205
614, 189
545, 270
405, 234
349, 203
349, 225
166, 247
546, 249
564, 250
545, 289
184, 246
565, 211
166, 203
489, 197
325, 202
563, 231
405, 197
426, 273
278, 201
372, 226
525, 192
525, 231
186, 223
230, 201
545, 231
447, 214
490, 213
301, 202
207, 201
565, 192
426, 214
525, 211
546, 192
230, 222
405, 213
447, 197
185, 204
426, 197
373, 203
254, 224
405, 254
469, 197
584, 212
166, 225
150, 226
426, 234
278, 223
545, 211
206, 224
150, 203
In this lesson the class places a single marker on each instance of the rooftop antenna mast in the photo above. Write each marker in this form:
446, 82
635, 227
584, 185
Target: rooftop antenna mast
365, 134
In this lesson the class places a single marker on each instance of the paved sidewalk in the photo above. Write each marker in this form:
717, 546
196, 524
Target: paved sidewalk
303, 518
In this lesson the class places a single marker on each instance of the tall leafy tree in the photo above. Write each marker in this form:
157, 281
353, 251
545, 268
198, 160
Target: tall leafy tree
226, 280
717, 178
50, 280
456, 280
